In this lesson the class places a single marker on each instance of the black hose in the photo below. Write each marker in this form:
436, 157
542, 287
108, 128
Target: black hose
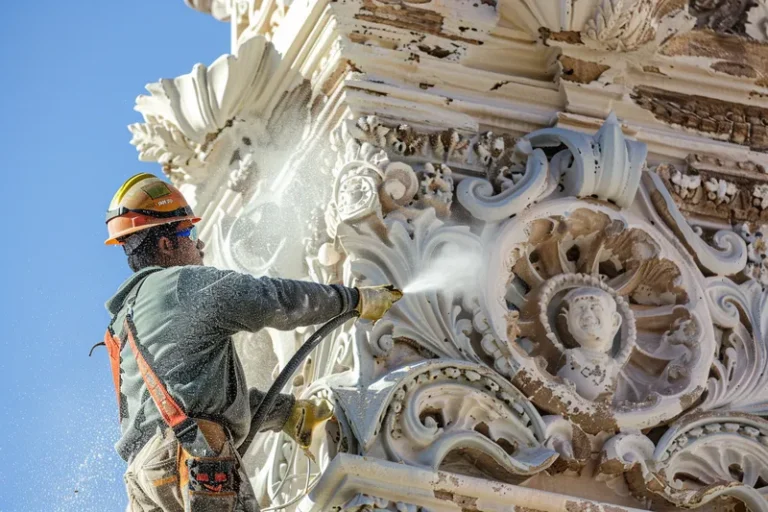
293, 364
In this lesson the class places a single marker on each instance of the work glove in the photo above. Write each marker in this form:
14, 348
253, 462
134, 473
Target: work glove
375, 301
306, 416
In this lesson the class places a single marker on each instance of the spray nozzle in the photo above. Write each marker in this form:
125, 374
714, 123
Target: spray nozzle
395, 293
375, 301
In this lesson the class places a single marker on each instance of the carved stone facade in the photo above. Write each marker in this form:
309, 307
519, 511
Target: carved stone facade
574, 197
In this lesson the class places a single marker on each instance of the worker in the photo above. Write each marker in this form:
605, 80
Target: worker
183, 403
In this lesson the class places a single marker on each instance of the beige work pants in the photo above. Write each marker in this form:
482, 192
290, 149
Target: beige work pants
153, 479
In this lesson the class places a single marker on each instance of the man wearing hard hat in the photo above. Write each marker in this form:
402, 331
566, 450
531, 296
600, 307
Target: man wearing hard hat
182, 398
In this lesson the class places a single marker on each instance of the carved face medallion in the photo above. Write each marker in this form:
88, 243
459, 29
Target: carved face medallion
589, 297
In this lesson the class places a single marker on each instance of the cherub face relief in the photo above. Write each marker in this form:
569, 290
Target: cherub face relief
592, 318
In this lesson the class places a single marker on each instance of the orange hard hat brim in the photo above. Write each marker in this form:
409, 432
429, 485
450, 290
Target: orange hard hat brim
124, 226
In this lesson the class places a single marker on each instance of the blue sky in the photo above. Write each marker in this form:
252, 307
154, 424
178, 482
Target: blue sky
70, 72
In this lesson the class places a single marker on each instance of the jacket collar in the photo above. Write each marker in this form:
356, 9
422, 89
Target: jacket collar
117, 301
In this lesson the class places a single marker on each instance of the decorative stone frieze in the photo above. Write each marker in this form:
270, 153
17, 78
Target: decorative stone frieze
717, 119
718, 189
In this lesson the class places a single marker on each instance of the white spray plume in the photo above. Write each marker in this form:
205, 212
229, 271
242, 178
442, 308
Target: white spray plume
454, 269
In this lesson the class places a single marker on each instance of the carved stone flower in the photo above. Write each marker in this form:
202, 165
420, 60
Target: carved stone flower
685, 185
760, 196
720, 191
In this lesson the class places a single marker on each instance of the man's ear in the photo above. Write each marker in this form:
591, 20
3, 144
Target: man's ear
164, 246
617, 320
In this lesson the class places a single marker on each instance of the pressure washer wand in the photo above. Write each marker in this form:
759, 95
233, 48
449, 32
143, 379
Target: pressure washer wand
260, 415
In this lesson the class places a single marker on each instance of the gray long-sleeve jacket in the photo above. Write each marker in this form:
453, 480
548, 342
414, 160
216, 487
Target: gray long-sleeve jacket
185, 317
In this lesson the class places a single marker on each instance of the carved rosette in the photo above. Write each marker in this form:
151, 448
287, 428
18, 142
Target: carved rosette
656, 365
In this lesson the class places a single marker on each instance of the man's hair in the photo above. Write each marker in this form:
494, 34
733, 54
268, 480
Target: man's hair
145, 255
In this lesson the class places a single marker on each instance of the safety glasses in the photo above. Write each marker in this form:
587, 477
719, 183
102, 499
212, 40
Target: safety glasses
190, 233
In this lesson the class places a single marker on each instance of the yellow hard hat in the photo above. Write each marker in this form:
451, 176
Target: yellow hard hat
145, 201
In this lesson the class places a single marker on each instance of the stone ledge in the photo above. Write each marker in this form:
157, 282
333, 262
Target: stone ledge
350, 475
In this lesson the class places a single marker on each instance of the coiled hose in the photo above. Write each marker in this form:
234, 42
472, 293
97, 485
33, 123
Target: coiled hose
293, 364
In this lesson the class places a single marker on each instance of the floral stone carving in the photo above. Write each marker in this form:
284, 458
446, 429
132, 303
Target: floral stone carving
594, 315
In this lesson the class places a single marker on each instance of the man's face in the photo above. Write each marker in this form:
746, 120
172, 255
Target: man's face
183, 250
190, 252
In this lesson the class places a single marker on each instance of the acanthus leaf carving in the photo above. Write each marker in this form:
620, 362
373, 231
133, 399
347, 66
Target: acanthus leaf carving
612, 25
739, 381
437, 320
189, 119
626, 25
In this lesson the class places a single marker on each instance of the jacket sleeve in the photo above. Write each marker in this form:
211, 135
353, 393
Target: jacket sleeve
240, 302
280, 412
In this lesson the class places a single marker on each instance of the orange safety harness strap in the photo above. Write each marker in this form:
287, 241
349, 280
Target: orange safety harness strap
113, 350
171, 412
